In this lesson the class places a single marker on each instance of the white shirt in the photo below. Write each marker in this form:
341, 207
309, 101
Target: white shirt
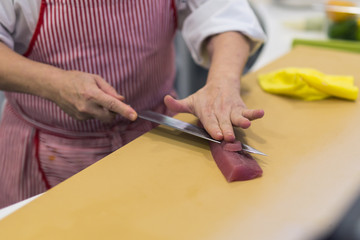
198, 19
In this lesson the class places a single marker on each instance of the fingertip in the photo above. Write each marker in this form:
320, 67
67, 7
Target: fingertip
176, 105
217, 136
252, 114
169, 100
168, 96
229, 137
130, 113
132, 116
245, 123
215, 133
120, 97
260, 113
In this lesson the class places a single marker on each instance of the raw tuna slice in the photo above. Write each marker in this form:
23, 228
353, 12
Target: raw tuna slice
232, 147
235, 165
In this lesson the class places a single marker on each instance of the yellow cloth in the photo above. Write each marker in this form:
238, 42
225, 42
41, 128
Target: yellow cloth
308, 84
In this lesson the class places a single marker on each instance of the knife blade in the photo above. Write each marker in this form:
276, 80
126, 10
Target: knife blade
186, 127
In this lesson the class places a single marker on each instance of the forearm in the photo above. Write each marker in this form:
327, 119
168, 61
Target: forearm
19, 74
228, 52
81, 95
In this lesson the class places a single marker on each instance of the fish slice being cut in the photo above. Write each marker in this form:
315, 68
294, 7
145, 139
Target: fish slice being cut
234, 164
232, 147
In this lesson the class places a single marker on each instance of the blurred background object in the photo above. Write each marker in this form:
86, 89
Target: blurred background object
308, 24
343, 20
295, 3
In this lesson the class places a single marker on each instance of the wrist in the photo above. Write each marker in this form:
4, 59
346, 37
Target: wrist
229, 52
47, 79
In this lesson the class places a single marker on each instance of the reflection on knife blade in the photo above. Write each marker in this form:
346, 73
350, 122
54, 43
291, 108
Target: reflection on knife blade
186, 127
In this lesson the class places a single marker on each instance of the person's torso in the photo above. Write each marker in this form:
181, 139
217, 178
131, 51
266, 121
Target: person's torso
128, 43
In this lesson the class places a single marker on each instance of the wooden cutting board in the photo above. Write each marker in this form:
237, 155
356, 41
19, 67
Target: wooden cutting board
165, 184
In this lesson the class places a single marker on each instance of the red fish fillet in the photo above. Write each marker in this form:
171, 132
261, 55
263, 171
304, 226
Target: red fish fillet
235, 165
232, 147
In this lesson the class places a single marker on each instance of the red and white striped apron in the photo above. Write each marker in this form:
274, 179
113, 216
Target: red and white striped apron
127, 42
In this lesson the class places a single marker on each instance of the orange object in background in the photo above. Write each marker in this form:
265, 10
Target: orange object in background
340, 16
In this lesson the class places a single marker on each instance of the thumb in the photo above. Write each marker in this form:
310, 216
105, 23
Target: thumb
178, 106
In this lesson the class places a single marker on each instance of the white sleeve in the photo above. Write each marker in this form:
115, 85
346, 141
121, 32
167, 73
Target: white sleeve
18, 20
7, 22
205, 18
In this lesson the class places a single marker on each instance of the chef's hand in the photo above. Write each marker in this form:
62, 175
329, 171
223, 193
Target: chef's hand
85, 96
81, 95
218, 104
219, 109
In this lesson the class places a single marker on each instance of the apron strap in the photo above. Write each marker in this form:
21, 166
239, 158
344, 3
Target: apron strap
37, 29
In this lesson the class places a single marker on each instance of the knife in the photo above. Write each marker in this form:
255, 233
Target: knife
186, 127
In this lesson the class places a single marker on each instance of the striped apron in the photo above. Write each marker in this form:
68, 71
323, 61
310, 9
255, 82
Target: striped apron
127, 42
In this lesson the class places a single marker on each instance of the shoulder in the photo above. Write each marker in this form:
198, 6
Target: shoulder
18, 20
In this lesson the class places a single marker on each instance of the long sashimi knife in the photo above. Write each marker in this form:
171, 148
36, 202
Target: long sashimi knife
186, 127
